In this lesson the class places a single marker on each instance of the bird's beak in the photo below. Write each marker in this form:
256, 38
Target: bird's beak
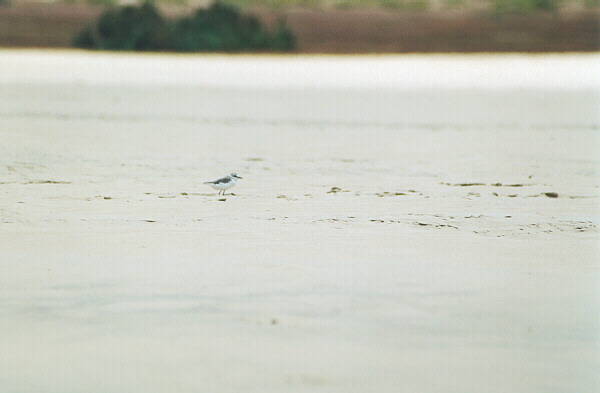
239, 177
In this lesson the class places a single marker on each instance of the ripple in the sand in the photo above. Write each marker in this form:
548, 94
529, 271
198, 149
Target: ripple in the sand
498, 184
48, 182
389, 194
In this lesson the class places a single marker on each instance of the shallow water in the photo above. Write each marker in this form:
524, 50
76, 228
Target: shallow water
437, 265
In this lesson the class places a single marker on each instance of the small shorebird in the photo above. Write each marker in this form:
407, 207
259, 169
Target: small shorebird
224, 183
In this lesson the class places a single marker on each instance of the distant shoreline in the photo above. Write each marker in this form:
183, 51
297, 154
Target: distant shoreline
353, 31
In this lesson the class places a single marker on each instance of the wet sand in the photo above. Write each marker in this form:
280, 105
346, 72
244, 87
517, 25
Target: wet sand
391, 233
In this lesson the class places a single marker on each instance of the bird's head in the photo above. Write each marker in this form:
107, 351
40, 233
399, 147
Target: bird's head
235, 176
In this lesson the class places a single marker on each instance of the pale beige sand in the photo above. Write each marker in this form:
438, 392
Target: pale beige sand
121, 272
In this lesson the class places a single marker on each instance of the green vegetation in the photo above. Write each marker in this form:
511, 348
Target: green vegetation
125, 28
448, 4
413, 5
498, 6
217, 28
100, 2
524, 6
223, 28
273, 4
513, 6
416, 5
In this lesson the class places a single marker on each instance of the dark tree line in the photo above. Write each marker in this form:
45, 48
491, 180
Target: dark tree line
219, 28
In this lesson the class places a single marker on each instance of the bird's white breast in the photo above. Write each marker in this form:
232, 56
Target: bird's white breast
224, 186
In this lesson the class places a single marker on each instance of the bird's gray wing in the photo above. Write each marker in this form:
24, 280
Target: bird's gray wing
223, 180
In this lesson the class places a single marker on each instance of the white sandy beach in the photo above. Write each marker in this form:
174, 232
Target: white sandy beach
436, 264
